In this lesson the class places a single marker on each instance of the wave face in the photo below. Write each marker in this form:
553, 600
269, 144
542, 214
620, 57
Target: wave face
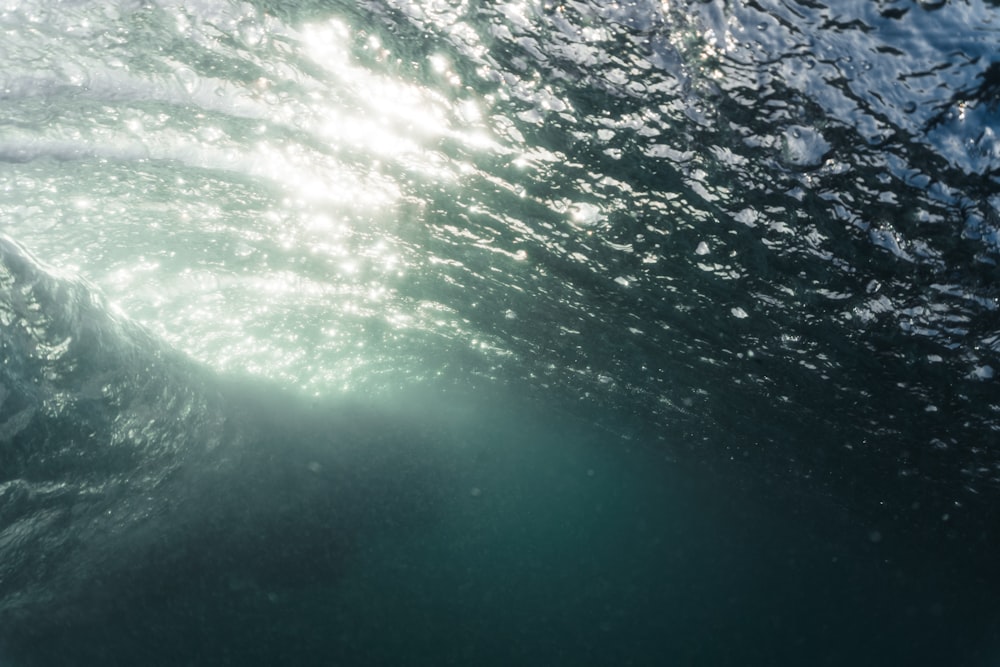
539, 332
137, 481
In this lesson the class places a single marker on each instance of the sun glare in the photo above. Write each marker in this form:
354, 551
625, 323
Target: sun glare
383, 116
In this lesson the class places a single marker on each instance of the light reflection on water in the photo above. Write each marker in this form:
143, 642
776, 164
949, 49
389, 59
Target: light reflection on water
678, 204
759, 237
325, 144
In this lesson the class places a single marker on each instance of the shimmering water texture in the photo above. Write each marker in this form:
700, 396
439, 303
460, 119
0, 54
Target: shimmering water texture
483, 333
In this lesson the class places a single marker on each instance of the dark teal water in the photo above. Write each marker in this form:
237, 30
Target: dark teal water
471, 333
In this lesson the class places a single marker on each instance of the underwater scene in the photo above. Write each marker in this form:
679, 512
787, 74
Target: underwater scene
460, 332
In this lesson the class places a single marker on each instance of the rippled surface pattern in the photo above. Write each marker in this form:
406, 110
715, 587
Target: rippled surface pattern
756, 238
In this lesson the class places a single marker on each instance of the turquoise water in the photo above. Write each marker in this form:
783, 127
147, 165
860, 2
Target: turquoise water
477, 333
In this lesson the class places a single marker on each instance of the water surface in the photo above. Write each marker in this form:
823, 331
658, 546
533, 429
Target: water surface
492, 333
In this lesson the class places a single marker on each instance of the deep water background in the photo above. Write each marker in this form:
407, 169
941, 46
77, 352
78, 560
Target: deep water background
475, 333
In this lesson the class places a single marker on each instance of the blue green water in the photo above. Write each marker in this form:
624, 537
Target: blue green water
475, 333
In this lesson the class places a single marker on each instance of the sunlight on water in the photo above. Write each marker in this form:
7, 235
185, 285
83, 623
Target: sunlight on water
294, 160
335, 196
391, 119
759, 239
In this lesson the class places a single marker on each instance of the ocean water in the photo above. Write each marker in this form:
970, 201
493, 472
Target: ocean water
479, 333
